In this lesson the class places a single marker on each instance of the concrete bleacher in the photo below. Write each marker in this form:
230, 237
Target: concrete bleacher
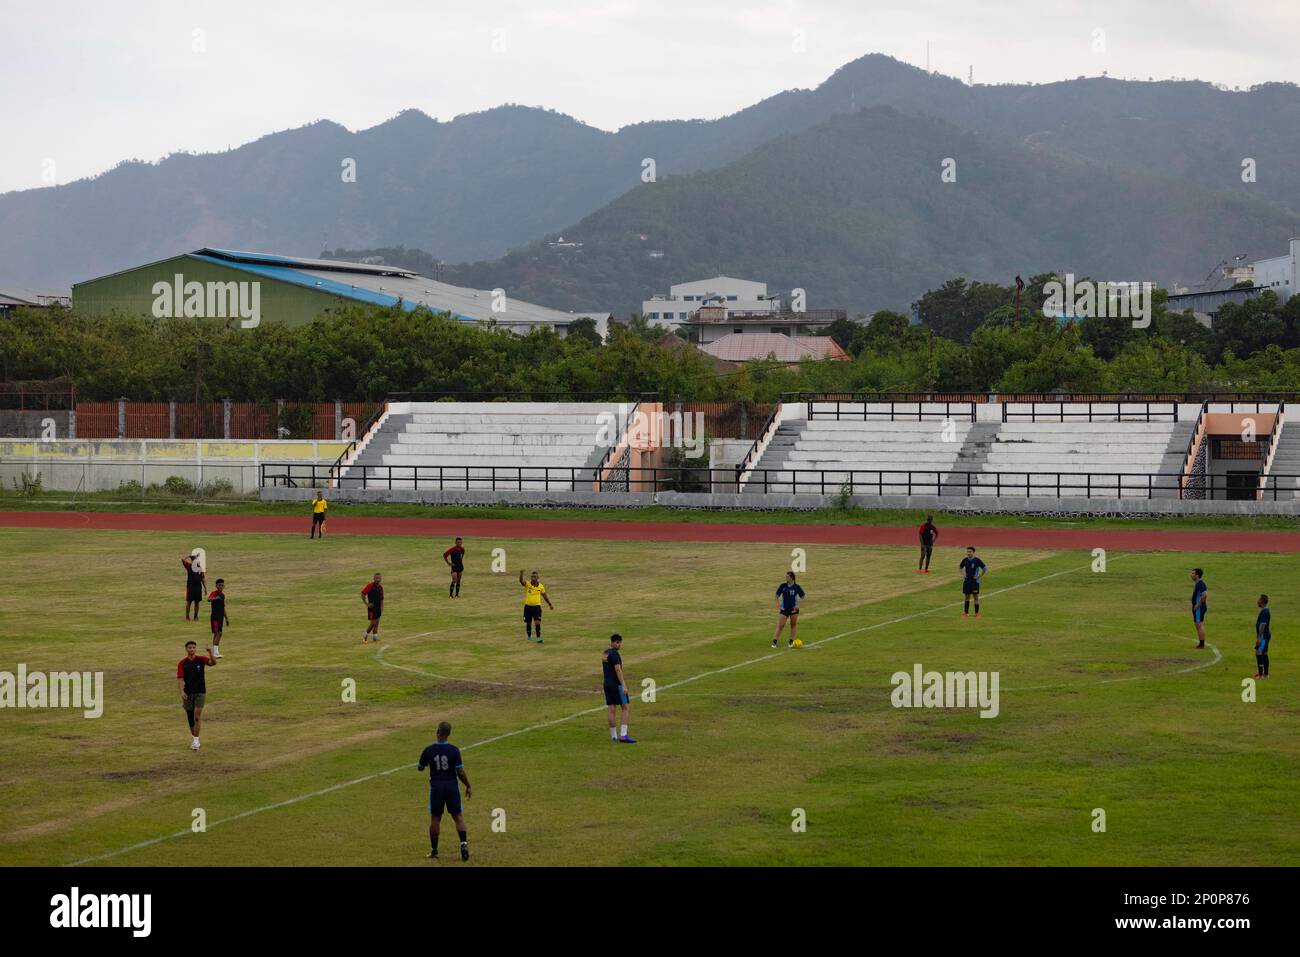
1081, 457
803, 455
1112, 455
553, 446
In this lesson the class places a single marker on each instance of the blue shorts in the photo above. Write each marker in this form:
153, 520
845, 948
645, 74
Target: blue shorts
970, 586
1198, 614
444, 795
614, 695
1263, 646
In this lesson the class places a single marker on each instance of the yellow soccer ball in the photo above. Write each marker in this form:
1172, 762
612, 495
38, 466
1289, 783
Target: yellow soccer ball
798, 642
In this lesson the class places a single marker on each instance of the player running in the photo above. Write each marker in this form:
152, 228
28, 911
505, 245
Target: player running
1262, 636
442, 758
455, 559
372, 596
194, 688
611, 663
974, 569
927, 532
789, 596
318, 509
1199, 591
218, 616
534, 595
193, 584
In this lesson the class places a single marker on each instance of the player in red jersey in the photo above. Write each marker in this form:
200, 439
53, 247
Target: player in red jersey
372, 596
193, 585
455, 559
190, 678
218, 616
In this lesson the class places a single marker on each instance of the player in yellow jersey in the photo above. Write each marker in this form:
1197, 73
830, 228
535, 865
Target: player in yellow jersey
318, 507
534, 595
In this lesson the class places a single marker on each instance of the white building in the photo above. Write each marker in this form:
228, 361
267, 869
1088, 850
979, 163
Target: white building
734, 295
1279, 273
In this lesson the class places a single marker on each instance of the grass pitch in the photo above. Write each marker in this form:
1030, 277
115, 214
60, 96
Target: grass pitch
1104, 704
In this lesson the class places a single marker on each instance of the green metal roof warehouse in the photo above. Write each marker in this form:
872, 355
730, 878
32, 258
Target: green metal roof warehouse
224, 283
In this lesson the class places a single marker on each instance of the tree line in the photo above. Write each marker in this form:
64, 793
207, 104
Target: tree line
969, 340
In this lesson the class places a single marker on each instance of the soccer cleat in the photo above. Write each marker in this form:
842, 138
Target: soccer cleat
626, 740
977, 614
965, 614
773, 642
790, 643
540, 642
433, 856
464, 850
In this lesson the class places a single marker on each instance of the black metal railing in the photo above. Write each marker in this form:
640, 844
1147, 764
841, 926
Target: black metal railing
750, 457
623, 430
502, 478
1271, 447
1104, 410
894, 409
337, 468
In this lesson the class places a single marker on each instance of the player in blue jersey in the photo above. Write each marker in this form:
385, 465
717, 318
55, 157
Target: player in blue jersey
611, 666
1199, 607
1262, 635
973, 570
442, 758
789, 596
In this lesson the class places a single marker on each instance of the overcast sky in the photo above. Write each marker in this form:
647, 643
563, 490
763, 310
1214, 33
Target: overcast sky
87, 83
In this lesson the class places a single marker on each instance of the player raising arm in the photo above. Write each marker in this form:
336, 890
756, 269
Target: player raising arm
193, 584
534, 595
442, 758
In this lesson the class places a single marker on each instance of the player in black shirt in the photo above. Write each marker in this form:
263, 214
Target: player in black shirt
974, 570
442, 758
194, 688
927, 533
219, 618
789, 596
193, 585
1263, 636
455, 559
372, 596
611, 664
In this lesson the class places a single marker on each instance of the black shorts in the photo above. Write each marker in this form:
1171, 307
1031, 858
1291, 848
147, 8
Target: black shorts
193, 592
532, 613
456, 569
374, 613
970, 586
317, 518
614, 695
789, 612
444, 795
216, 625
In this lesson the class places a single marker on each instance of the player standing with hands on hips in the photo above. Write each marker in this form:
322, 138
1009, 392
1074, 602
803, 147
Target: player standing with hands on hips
974, 569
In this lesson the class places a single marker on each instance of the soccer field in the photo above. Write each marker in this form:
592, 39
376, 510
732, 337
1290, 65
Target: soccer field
1104, 703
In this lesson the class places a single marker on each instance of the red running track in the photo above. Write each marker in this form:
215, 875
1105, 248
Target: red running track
1050, 538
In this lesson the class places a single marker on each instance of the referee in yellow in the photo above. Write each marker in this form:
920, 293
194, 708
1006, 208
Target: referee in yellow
318, 507
534, 595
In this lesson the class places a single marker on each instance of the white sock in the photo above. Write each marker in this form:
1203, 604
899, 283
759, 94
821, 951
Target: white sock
625, 731
613, 734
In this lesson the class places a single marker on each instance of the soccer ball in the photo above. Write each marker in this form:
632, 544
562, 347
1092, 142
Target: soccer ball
798, 642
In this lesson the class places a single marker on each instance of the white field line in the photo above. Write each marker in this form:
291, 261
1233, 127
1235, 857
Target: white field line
552, 723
